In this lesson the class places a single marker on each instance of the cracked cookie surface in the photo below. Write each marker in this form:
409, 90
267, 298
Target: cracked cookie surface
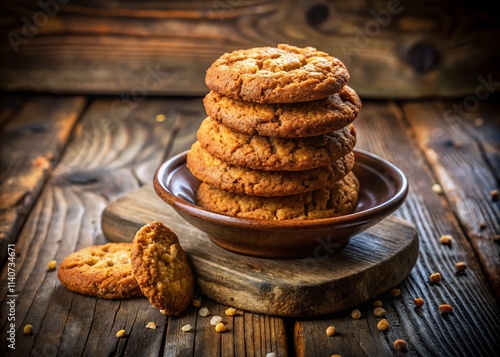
239, 179
162, 269
285, 120
104, 271
338, 199
268, 153
282, 74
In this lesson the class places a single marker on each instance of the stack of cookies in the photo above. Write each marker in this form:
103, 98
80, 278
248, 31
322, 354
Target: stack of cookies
277, 143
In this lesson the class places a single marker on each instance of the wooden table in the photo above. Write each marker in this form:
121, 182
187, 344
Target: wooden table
63, 158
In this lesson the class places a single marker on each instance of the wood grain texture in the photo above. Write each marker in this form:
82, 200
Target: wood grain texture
111, 152
470, 329
44, 125
381, 257
129, 48
450, 145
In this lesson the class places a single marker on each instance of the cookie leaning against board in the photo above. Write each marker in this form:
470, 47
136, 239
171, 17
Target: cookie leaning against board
153, 265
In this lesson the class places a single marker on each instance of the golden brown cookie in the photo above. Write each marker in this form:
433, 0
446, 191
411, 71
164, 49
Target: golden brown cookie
267, 153
238, 179
162, 269
282, 74
285, 120
101, 270
338, 199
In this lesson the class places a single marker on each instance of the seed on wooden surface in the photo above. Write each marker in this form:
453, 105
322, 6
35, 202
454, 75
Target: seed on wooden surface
395, 292
52, 265
215, 320
271, 354
335, 356
160, 118
203, 312
28, 329
437, 188
446, 239
230, 311
151, 325
460, 266
378, 303
446, 309
379, 312
120, 333
383, 325
435, 278
330, 330
220, 327
186, 328
494, 195
196, 302
400, 345
419, 302
356, 314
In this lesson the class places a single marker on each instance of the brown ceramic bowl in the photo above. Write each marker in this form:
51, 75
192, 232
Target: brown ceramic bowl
383, 188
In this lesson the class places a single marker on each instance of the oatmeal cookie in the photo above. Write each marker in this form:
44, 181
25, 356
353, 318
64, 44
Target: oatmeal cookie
162, 269
285, 120
338, 199
239, 179
282, 74
101, 270
278, 154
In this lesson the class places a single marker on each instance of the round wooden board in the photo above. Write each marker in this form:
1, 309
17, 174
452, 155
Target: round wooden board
372, 262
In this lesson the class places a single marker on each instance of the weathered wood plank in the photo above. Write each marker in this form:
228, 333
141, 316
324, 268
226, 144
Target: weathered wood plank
31, 141
97, 164
457, 159
468, 330
110, 153
166, 47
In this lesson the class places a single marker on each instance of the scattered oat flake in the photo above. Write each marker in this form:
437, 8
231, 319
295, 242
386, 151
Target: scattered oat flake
42, 162
186, 328
196, 302
120, 333
203, 312
460, 266
419, 302
271, 354
220, 327
52, 265
437, 188
400, 345
215, 320
445, 309
446, 239
160, 118
28, 329
151, 325
494, 195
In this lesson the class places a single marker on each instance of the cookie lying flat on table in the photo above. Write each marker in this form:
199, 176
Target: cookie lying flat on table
282, 74
338, 199
285, 120
102, 270
162, 269
267, 153
238, 179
